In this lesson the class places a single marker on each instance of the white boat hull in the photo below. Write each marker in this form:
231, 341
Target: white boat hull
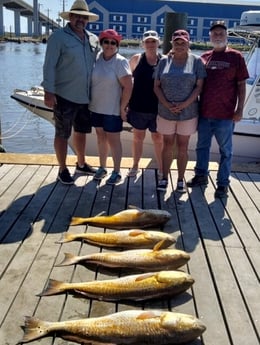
246, 139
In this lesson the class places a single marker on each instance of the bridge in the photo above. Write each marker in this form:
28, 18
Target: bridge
35, 19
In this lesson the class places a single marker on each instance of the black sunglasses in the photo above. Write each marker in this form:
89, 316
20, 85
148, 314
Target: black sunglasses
180, 33
113, 43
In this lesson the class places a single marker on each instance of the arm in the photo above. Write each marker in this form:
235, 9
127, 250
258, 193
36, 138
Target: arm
193, 96
49, 99
134, 60
49, 72
160, 95
241, 95
127, 86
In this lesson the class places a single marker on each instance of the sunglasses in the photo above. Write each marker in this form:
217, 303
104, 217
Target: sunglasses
180, 33
113, 43
150, 33
79, 16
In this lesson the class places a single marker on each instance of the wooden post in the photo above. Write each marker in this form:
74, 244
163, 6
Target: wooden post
173, 21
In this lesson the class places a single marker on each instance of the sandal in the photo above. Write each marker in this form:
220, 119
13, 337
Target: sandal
132, 172
114, 178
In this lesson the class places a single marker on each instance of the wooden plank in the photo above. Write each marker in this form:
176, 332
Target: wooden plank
17, 219
195, 238
234, 310
224, 260
248, 283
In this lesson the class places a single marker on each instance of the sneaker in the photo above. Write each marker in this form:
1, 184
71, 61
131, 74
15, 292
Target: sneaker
64, 177
132, 172
114, 178
86, 169
181, 188
162, 185
100, 173
221, 192
198, 181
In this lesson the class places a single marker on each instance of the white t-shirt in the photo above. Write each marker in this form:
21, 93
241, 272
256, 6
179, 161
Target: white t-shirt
105, 87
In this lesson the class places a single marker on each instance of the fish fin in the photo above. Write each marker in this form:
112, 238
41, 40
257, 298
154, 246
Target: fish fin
79, 221
66, 237
76, 339
134, 207
144, 276
54, 287
136, 232
146, 315
34, 329
100, 214
69, 259
158, 245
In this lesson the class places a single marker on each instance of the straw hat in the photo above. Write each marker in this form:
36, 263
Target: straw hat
80, 7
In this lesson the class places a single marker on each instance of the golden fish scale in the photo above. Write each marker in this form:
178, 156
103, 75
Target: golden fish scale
132, 237
137, 285
164, 326
142, 258
126, 219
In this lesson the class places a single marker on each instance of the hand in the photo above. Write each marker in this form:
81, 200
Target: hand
50, 99
238, 115
123, 114
176, 108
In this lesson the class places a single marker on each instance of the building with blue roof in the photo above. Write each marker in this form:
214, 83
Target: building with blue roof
132, 17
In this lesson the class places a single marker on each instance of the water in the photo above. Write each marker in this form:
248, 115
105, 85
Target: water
21, 68
21, 131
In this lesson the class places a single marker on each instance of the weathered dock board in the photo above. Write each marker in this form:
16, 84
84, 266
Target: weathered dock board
221, 236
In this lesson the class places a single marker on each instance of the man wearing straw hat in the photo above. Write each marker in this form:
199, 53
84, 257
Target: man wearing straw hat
69, 59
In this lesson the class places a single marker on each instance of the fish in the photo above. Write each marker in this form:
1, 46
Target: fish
134, 238
145, 259
125, 327
138, 287
127, 219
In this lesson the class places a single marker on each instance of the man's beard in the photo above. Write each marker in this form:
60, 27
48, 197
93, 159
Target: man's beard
219, 44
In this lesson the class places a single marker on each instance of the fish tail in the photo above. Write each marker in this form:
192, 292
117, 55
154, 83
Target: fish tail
34, 329
78, 221
54, 287
69, 259
67, 237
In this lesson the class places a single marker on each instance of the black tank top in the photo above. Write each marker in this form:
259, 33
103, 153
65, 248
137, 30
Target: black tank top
143, 98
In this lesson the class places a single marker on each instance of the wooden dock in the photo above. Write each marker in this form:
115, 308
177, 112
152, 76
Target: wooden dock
221, 236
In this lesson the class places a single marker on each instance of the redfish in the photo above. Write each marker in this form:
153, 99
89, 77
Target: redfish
136, 287
134, 238
144, 259
127, 219
126, 327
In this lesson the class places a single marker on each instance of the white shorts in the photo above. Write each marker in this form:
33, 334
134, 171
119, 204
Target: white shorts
167, 127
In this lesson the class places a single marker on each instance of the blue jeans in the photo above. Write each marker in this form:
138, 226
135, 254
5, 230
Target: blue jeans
223, 131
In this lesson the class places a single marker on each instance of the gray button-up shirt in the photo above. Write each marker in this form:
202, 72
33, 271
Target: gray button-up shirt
68, 64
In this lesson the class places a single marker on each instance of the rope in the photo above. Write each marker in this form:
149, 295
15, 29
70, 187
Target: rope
2, 136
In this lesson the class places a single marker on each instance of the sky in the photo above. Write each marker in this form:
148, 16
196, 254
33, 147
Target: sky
53, 7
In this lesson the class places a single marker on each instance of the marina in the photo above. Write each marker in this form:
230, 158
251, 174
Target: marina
221, 237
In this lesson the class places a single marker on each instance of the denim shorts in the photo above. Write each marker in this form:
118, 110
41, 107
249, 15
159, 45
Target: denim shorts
142, 121
109, 123
68, 114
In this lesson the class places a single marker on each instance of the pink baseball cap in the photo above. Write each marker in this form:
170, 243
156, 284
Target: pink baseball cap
181, 34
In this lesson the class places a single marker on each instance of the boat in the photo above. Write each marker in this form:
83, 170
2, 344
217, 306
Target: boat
246, 138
